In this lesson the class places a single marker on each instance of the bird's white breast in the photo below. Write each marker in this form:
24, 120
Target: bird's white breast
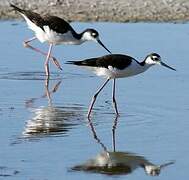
111, 72
58, 38
133, 69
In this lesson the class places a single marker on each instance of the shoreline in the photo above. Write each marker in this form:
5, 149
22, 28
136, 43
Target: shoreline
175, 11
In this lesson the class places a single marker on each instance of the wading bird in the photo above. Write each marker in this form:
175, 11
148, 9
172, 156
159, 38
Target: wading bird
54, 31
115, 66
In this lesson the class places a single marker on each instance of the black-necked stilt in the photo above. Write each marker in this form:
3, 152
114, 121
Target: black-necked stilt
117, 66
54, 30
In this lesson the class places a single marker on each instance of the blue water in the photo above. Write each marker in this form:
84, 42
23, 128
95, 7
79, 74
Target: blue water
44, 137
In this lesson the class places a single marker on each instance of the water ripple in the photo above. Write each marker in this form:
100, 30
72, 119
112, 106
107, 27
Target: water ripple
39, 75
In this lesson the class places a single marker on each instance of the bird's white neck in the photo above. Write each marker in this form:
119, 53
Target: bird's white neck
145, 67
147, 63
137, 69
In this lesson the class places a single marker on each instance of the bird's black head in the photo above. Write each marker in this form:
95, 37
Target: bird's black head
92, 35
155, 58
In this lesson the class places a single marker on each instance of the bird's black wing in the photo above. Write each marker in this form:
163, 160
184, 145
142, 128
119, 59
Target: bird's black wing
57, 24
32, 16
118, 61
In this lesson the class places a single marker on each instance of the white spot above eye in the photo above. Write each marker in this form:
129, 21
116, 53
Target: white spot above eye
88, 37
150, 60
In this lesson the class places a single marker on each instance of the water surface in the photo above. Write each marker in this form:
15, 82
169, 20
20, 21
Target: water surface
44, 132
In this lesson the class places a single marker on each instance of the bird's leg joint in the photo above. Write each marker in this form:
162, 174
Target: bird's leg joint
94, 97
113, 99
25, 44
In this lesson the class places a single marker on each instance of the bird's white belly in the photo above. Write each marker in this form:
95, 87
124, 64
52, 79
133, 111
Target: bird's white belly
58, 38
112, 73
129, 71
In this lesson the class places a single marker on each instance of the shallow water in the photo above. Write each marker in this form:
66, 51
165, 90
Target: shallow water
44, 132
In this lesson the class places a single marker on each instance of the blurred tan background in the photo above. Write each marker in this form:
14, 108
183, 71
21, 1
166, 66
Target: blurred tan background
104, 10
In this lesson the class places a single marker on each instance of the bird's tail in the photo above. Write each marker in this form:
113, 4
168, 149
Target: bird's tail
86, 62
78, 63
16, 8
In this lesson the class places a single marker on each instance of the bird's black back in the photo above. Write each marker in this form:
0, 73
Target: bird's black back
34, 17
55, 23
118, 61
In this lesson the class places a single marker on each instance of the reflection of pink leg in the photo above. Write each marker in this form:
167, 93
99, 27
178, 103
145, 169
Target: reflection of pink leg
94, 98
26, 44
48, 94
47, 61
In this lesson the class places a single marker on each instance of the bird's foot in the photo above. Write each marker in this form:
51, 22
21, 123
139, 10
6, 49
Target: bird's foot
57, 64
25, 44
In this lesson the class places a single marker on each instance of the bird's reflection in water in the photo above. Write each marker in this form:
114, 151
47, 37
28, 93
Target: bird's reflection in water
51, 120
115, 162
30, 102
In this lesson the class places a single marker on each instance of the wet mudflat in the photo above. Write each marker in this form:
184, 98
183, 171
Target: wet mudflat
44, 132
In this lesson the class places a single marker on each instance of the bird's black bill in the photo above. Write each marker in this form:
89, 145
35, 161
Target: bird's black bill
99, 41
165, 65
167, 164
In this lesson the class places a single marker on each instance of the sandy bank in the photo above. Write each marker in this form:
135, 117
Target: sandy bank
106, 10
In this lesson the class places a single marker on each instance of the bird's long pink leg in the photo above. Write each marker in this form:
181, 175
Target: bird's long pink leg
94, 98
47, 61
27, 45
113, 98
